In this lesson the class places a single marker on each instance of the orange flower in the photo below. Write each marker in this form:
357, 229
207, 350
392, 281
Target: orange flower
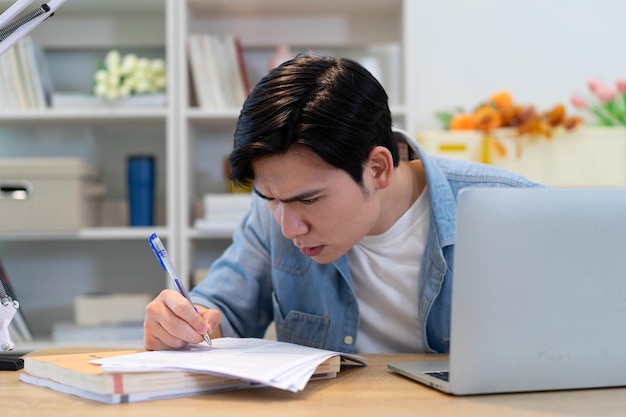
500, 111
463, 121
535, 127
526, 114
572, 122
510, 117
502, 100
487, 118
556, 115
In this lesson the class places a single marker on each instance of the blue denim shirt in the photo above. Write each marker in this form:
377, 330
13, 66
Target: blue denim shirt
262, 277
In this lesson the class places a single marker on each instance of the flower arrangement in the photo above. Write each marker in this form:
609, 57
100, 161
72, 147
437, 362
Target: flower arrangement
501, 111
608, 105
122, 76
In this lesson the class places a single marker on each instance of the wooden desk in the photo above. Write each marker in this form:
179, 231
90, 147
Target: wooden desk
360, 392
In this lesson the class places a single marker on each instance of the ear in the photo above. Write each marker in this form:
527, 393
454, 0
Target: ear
380, 167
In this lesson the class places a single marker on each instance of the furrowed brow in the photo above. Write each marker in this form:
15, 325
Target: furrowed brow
264, 197
300, 197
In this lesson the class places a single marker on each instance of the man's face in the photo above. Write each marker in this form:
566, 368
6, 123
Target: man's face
319, 207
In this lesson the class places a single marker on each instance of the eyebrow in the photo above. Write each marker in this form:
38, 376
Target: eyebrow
300, 197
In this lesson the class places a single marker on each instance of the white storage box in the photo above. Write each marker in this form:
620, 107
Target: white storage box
586, 157
464, 144
97, 309
48, 194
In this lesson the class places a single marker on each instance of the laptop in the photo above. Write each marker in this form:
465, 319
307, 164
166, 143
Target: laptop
539, 293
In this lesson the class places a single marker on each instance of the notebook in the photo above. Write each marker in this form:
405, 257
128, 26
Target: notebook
539, 293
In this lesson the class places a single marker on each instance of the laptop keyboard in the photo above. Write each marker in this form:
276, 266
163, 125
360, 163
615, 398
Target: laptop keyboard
443, 375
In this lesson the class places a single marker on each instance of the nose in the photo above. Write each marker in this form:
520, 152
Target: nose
291, 222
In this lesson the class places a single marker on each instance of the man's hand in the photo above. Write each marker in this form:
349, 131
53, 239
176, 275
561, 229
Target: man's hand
172, 323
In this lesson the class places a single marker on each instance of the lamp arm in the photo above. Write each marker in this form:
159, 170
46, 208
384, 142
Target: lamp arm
13, 30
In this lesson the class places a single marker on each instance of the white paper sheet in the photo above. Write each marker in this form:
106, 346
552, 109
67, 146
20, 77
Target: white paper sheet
277, 364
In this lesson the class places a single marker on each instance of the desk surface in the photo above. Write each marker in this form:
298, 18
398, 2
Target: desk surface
362, 392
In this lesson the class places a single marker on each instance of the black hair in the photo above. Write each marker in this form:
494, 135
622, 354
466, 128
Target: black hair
331, 105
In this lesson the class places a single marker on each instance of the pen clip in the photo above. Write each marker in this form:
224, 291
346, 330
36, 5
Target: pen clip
154, 242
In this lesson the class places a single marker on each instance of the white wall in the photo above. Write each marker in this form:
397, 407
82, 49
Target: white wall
542, 51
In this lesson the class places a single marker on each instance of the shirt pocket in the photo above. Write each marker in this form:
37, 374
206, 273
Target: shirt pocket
300, 328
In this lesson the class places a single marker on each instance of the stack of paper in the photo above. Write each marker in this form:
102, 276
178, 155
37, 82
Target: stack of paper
137, 375
277, 364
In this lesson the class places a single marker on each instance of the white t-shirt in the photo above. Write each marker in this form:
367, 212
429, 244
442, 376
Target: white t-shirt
385, 271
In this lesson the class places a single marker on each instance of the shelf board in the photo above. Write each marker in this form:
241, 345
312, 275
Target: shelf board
216, 231
99, 7
90, 233
78, 116
294, 8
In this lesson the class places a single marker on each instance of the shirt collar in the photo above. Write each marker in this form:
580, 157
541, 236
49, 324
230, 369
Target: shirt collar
443, 201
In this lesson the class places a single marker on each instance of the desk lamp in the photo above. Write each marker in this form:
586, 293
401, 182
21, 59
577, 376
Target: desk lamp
14, 27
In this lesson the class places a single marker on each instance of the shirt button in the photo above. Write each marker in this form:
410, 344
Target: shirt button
348, 340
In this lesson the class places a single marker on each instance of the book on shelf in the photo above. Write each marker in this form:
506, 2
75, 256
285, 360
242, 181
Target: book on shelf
16, 79
218, 71
198, 71
213, 55
233, 71
24, 79
119, 376
243, 67
28, 81
9, 95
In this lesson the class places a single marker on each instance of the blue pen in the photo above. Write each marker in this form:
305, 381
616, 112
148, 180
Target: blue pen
161, 254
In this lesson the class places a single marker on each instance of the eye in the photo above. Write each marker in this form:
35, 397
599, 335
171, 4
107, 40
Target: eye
309, 201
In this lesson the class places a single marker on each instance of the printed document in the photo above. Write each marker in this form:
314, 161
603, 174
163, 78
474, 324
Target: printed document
277, 364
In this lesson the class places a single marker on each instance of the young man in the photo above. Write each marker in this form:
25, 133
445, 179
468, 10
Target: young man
349, 241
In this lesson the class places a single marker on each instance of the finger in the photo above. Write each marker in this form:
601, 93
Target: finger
163, 328
212, 318
183, 310
161, 340
156, 337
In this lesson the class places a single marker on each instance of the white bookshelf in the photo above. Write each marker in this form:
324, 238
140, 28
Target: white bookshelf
355, 28
48, 270
190, 143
